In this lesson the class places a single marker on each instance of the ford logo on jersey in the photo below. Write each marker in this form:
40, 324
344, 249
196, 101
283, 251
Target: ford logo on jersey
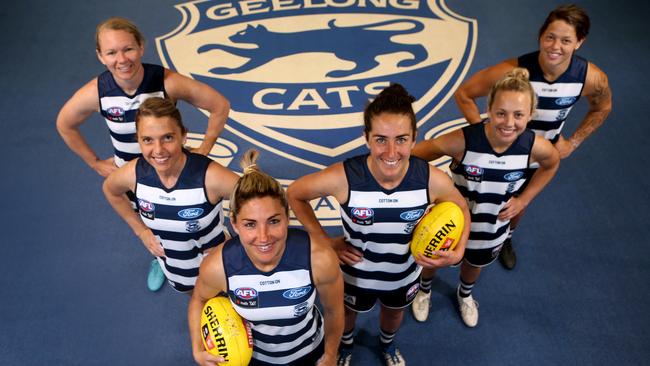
513, 176
190, 213
246, 293
296, 293
411, 215
145, 205
565, 100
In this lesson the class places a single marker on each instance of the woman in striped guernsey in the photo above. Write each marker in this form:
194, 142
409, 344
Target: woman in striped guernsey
382, 195
179, 194
272, 275
118, 92
489, 161
559, 78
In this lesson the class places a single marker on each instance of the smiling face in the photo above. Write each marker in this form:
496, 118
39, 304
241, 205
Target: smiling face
390, 140
557, 44
120, 52
262, 225
508, 117
161, 141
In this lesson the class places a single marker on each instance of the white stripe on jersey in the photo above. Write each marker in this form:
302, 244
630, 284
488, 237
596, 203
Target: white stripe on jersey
187, 281
286, 359
184, 245
486, 244
387, 267
179, 197
126, 103
179, 226
383, 285
286, 329
119, 162
278, 281
122, 128
127, 147
380, 248
486, 227
185, 263
493, 162
480, 208
281, 347
487, 186
551, 115
376, 227
396, 200
550, 134
556, 90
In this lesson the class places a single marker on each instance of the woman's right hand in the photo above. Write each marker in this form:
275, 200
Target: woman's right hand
345, 251
204, 358
152, 243
104, 167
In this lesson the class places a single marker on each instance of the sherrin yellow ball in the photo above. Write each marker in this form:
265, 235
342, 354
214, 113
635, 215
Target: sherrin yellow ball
225, 333
440, 229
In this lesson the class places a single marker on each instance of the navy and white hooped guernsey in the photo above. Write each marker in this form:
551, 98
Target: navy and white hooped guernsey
279, 304
554, 99
118, 109
181, 217
380, 223
487, 180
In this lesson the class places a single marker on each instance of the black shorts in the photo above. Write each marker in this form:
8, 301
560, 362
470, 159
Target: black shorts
482, 257
362, 300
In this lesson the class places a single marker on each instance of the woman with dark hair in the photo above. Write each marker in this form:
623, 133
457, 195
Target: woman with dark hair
382, 195
560, 78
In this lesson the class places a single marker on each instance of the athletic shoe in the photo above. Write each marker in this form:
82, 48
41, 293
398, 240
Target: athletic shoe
507, 255
392, 356
421, 305
468, 309
344, 356
156, 277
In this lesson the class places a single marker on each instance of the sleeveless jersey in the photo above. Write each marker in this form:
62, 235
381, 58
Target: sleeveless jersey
554, 99
279, 304
181, 217
380, 223
487, 180
119, 108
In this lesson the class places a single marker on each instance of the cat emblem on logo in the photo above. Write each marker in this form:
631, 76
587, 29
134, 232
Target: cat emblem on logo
298, 73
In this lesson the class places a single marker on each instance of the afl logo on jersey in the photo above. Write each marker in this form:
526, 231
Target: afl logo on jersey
246, 293
565, 101
246, 297
473, 173
190, 213
115, 114
147, 209
303, 70
362, 215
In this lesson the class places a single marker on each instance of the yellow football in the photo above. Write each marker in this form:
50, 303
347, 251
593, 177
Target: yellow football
225, 333
440, 229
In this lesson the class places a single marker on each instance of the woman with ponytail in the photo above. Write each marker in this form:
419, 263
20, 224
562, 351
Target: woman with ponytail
489, 165
284, 268
382, 194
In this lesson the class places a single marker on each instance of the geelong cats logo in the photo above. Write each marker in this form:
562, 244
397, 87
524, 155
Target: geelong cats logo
298, 73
